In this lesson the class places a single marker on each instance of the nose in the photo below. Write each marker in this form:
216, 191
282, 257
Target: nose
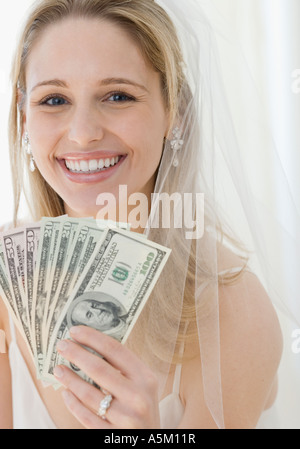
85, 125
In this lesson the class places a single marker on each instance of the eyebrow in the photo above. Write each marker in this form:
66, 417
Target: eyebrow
104, 82
54, 82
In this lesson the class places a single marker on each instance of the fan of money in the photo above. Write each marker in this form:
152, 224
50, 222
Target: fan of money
63, 272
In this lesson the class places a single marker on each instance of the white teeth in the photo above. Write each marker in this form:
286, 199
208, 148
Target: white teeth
92, 165
84, 166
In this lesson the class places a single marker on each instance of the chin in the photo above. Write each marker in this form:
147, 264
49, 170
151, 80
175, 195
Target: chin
80, 203
81, 209
84, 212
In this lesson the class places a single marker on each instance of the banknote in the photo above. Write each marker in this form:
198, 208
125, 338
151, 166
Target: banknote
66, 237
7, 297
31, 236
13, 245
13, 253
64, 271
5, 290
76, 244
111, 291
49, 233
1, 253
80, 247
88, 234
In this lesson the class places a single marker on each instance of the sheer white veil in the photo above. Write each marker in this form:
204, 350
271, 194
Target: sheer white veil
221, 155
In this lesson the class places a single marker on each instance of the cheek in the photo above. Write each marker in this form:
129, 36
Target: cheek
44, 138
152, 151
42, 145
43, 135
146, 141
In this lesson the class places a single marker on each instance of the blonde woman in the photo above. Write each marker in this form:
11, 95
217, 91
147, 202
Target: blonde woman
96, 80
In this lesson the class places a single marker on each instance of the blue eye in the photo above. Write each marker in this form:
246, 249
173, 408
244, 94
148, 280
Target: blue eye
120, 98
54, 101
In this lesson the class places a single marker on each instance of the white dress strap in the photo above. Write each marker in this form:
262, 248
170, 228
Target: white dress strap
12, 329
2, 342
177, 378
171, 407
178, 369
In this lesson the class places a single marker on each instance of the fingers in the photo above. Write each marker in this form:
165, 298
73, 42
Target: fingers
120, 372
97, 369
85, 416
116, 354
83, 400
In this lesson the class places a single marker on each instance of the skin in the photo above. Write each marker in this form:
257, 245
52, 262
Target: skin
250, 332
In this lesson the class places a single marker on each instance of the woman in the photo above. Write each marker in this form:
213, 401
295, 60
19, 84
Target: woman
97, 80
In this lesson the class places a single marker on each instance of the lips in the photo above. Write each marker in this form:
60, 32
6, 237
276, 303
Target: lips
90, 168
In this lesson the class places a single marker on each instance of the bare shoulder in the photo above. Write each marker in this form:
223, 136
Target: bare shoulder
246, 310
245, 307
251, 348
250, 352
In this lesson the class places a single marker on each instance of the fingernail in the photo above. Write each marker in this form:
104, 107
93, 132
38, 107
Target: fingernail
67, 397
75, 330
62, 345
58, 371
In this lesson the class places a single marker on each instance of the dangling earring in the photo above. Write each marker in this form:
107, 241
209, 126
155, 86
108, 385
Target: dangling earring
28, 151
176, 144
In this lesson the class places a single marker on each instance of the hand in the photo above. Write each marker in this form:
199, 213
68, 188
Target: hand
121, 373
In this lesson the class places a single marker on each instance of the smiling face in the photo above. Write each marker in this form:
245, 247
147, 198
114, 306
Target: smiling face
94, 112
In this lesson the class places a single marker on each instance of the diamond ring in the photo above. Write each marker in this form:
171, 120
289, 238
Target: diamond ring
104, 406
